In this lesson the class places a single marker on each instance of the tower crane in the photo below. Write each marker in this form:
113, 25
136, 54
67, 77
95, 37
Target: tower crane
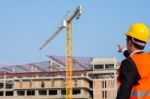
67, 23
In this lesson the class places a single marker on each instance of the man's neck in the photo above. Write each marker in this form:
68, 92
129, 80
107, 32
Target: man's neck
134, 50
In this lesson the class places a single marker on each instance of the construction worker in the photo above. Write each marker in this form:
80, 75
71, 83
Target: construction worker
134, 72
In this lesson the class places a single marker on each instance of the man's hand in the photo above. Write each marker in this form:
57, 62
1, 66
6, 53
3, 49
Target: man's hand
120, 48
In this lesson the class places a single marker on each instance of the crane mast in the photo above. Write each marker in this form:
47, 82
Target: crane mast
69, 64
67, 23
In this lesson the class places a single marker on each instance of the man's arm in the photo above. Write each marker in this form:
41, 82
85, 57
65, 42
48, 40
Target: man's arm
128, 77
122, 49
126, 53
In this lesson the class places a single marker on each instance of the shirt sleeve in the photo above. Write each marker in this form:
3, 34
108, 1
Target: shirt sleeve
126, 53
128, 77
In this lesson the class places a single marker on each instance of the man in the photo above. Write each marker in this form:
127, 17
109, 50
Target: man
134, 72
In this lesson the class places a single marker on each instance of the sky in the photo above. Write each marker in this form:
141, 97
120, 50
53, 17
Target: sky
26, 24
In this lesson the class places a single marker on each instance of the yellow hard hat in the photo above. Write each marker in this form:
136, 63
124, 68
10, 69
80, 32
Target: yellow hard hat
139, 31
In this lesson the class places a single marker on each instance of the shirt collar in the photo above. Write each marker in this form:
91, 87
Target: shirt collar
136, 52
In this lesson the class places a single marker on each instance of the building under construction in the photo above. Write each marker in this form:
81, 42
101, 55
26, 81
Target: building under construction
93, 78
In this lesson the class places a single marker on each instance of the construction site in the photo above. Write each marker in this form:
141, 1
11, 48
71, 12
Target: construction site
74, 49
61, 77
93, 78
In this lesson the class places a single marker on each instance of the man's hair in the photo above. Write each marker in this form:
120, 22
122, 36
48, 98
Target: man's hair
137, 43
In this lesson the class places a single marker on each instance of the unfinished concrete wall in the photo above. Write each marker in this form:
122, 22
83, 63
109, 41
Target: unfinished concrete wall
103, 88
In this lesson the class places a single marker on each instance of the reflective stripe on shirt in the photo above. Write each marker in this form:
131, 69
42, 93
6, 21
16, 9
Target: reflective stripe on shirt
140, 94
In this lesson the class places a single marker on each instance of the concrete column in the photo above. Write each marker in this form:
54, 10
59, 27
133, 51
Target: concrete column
25, 92
36, 92
59, 92
82, 92
15, 93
